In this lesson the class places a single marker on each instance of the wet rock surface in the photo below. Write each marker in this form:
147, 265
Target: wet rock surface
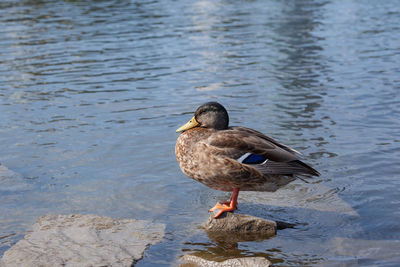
240, 224
83, 240
194, 261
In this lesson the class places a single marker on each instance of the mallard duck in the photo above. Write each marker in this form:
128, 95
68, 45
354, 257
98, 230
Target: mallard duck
233, 158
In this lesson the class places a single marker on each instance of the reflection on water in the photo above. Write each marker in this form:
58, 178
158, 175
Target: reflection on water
91, 93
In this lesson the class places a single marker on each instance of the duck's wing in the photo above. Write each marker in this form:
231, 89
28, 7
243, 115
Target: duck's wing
257, 150
265, 137
239, 140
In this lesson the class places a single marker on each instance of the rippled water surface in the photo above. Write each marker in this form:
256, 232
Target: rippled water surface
91, 93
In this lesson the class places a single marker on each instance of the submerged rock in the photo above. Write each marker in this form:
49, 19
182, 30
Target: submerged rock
195, 261
12, 181
297, 194
83, 240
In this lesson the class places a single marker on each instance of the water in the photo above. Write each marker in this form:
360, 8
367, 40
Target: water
91, 93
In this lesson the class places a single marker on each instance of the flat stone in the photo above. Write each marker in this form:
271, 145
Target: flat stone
195, 261
83, 240
12, 181
241, 224
361, 249
297, 194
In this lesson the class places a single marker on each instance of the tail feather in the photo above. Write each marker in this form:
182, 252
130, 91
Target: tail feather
295, 167
305, 167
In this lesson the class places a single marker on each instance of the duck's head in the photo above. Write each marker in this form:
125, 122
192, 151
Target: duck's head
209, 115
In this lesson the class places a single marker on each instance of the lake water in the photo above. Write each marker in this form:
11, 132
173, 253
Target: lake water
91, 93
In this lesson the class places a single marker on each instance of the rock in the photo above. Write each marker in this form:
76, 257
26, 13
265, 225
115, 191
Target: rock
385, 252
232, 228
297, 194
83, 240
241, 224
195, 261
12, 181
226, 231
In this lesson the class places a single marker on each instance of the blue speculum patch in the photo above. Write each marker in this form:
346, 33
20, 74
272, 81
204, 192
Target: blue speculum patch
254, 159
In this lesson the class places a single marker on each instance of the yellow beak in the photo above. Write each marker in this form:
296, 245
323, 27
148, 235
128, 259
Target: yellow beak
190, 124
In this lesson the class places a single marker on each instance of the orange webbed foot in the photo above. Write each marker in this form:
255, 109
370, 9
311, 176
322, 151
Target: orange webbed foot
222, 207
220, 204
225, 206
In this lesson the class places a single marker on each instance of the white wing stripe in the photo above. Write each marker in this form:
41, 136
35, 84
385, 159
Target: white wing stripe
243, 157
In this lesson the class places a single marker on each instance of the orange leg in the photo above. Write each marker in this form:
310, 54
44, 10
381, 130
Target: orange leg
227, 206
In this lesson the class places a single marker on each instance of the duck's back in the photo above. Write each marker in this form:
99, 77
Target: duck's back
216, 159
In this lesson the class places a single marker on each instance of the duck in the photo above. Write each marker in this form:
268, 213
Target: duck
234, 158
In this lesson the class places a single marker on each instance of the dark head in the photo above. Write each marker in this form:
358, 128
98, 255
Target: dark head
209, 115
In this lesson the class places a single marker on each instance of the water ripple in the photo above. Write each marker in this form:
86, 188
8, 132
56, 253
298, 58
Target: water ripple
91, 93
